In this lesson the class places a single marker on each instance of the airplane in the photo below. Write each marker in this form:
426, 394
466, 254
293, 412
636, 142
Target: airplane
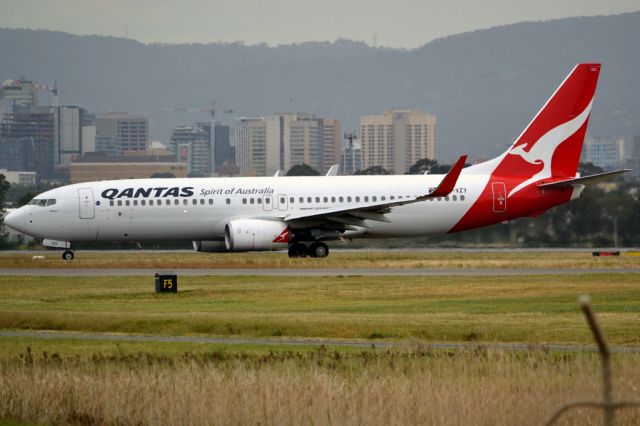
299, 214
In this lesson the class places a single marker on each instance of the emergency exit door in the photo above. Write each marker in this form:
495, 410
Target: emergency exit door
499, 197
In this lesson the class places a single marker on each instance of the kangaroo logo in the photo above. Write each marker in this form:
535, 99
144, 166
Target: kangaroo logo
542, 150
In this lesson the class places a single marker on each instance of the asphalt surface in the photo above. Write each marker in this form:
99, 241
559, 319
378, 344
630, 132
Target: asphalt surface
313, 272
310, 342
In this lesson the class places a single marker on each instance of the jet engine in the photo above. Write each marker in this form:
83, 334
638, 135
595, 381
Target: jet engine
210, 246
256, 235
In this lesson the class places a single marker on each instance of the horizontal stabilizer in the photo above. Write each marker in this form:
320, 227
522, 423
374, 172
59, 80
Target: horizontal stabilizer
449, 181
583, 180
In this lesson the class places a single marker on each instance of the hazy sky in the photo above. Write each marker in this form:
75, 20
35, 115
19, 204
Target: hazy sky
394, 23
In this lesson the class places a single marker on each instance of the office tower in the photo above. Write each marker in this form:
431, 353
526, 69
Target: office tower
118, 133
397, 139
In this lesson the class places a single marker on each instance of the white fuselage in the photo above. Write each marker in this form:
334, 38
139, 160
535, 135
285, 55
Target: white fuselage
109, 211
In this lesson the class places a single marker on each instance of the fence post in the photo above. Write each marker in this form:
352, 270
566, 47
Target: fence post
605, 359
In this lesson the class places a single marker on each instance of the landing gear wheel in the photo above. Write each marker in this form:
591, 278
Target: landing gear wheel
297, 250
67, 255
318, 250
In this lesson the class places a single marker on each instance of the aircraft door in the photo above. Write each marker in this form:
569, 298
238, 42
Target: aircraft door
267, 203
499, 197
87, 207
282, 202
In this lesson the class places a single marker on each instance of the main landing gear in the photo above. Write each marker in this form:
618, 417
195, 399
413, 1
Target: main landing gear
317, 249
68, 255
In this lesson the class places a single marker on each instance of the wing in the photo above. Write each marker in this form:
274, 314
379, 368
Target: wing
354, 215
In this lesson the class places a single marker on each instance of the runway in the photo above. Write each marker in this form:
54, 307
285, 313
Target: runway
313, 272
525, 347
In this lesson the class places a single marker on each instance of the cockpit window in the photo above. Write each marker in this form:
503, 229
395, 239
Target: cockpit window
42, 202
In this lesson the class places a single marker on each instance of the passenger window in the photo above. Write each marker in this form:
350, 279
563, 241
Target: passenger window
317, 199
111, 203
143, 203
127, 203
119, 202
333, 199
325, 199
244, 201
259, 200
176, 201
194, 201
454, 198
439, 198
150, 202
341, 199
210, 201
266, 201
167, 201
292, 200
373, 198
252, 200
135, 202
309, 199
202, 201
228, 200
392, 197
462, 198
357, 199
348, 199
301, 200
383, 198
446, 198
185, 201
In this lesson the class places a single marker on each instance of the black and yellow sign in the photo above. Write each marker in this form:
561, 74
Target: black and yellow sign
166, 283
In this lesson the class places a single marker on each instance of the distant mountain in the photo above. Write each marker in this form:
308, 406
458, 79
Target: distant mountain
484, 86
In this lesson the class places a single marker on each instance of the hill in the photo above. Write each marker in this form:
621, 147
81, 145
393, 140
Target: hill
484, 86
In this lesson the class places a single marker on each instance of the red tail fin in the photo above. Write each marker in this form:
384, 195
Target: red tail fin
551, 144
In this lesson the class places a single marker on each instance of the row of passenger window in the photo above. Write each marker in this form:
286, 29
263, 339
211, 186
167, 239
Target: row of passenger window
283, 200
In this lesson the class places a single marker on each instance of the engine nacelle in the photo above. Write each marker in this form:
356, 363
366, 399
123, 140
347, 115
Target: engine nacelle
256, 235
210, 246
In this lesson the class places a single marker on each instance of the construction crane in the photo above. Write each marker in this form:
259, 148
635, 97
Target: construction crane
51, 89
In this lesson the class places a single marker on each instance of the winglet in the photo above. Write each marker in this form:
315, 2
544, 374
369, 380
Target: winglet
333, 171
449, 181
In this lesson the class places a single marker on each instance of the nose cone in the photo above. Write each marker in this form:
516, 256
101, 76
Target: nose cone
13, 219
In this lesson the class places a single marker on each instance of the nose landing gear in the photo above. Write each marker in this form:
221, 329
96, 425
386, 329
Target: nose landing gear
68, 255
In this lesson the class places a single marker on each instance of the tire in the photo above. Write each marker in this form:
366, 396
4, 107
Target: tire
67, 255
297, 250
318, 250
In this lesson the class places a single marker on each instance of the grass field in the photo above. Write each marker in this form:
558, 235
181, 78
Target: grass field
441, 308
337, 259
65, 381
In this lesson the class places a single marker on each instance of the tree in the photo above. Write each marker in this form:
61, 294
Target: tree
25, 198
302, 170
4, 187
374, 170
423, 165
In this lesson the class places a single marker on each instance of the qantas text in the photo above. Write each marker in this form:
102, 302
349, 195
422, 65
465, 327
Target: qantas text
111, 193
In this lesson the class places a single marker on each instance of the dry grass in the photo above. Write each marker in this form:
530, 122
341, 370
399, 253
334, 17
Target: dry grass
345, 260
417, 386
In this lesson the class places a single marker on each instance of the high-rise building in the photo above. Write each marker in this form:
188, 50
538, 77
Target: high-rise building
222, 152
397, 139
67, 134
118, 133
27, 142
632, 157
21, 94
351, 158
606, 152
279, 141
191, 144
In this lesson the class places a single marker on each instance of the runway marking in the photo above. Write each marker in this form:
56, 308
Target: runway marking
314, 272
554, 347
